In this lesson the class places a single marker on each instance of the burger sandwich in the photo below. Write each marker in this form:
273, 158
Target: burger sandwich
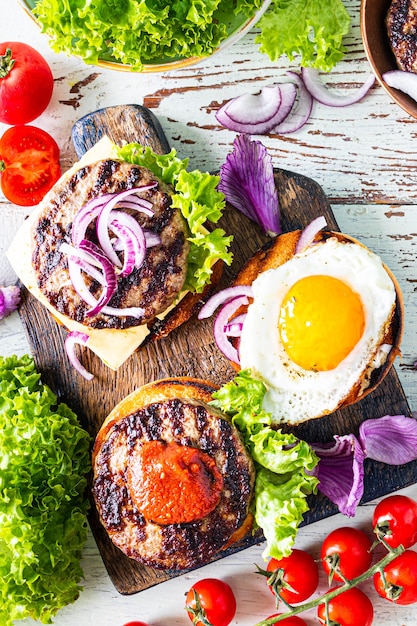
118, 250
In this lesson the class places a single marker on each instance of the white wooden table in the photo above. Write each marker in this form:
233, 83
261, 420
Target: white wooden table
364, 157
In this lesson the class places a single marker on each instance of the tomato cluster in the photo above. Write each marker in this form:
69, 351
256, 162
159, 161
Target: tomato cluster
29, 156
346, 557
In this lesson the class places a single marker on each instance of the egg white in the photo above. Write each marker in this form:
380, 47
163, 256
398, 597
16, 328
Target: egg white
295, 394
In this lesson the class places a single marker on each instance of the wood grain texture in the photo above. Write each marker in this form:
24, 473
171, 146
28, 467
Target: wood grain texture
190, 350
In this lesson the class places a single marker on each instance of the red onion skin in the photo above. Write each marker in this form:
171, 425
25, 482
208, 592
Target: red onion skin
9, 300
341, 472
248, 183
391, 439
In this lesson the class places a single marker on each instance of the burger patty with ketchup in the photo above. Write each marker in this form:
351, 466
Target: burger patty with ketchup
172, 479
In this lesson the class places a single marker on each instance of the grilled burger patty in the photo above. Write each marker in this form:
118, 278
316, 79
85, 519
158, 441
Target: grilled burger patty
153, 286
172, 479
401, 22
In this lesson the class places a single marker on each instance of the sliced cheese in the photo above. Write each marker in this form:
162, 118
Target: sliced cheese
112, 346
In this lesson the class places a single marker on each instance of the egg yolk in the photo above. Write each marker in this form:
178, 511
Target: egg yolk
320, 322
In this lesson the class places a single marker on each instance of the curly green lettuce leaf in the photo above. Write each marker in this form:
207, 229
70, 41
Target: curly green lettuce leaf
197, 198
242, 399
310, 29
136, 32
44, 460
280, 505
283, 463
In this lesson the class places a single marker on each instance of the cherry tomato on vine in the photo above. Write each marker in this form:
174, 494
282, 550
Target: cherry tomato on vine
395, 521
400, 575
29, 164
211, 599
348, 551
293, 620
294, 577
26, 83
350, 608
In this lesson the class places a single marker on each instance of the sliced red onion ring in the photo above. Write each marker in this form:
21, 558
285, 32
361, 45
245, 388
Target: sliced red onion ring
151, 238
85, 261
223, 296
235, 326
103, 221
86, 257
322, 94
86, 215
300, 112
80, 260
404, 81
221, 323
258, 113
110, 280
309, 232
72, 339
80, 287
134, 202
92, 209
134, 246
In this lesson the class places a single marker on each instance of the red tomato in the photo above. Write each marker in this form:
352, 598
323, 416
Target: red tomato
213, 600
135, 624
29, 164
350, 608
295, 577
26, 83
395, 521
347, 551
400, 579
293, 620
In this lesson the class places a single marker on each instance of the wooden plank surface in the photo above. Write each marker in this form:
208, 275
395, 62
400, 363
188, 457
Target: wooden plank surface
191, 350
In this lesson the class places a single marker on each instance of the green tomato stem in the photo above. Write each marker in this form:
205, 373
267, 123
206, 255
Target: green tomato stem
6, 63
325, 598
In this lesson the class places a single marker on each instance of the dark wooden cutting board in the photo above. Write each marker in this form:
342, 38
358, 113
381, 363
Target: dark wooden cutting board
191, 350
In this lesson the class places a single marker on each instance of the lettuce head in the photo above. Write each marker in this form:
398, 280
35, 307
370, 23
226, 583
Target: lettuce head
44, 459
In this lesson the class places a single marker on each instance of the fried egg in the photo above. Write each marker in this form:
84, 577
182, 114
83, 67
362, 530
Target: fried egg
316, 327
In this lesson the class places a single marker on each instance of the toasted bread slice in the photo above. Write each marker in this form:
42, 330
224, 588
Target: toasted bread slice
280, 250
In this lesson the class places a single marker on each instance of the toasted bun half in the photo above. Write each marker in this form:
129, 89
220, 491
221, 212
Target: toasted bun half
172, 479
188, 306
282, 249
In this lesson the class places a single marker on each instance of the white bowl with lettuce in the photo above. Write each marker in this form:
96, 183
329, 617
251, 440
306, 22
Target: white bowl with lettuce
157, 36
147, 37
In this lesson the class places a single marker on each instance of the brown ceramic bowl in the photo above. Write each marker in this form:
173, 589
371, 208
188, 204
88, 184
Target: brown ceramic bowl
378, 50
